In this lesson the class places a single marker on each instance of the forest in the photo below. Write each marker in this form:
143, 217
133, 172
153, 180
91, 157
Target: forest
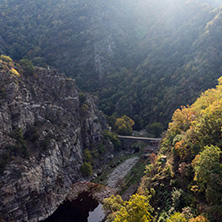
142, 59
187, 187
152, 64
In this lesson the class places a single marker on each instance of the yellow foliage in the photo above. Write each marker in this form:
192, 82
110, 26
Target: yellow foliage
5, 58
124, 125
135, 209
177, 217
14, 72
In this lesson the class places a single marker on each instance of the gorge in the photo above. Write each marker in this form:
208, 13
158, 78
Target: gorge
80, 78
43, 137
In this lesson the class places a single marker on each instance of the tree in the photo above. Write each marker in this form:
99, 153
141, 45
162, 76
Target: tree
86, 169
137, 208
28, 66
155, 129
208, 173
124, 125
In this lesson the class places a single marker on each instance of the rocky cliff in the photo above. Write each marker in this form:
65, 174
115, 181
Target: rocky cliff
45, 125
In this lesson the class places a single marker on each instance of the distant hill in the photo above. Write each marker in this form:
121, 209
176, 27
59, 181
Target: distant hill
142, 58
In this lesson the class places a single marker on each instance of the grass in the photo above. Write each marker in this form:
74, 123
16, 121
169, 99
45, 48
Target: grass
134, 176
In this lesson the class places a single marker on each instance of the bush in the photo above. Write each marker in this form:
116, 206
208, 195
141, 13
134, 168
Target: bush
28, 66
32, 134
5, 58
199, 219
177, 217
86, 169
113, 138
124, 125
14, 72
155, 129
87, 155
82, 98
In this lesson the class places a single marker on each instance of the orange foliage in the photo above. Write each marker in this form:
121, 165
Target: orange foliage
199, 219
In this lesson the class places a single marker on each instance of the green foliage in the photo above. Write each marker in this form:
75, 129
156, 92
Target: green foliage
86, 169
18, 135
208, 173
177, 217
2, 93
194, 140
101, 148
113, 138
177, 199
157, 64
27, 65
12, 151
112, 120
87, 155
137, 208
155, 129
134, 177
82, 98
4, 160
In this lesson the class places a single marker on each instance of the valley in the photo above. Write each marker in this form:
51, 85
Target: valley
110, 107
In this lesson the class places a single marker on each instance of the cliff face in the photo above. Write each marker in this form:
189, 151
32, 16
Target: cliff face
44, 128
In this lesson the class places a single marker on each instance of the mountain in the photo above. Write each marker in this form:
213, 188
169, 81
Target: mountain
48, 136
183, 181
142, 58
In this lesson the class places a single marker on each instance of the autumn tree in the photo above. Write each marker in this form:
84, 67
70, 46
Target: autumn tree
124, 125
137, 208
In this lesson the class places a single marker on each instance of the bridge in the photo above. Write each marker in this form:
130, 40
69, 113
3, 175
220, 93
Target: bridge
127, 141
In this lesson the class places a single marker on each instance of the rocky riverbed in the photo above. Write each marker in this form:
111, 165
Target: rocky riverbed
116, 178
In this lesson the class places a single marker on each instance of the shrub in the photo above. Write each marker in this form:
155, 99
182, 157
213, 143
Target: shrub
199, 219
86, 169
28, 66
14, 72
155, 129
5, 58
113, 138
82, 98
177, 198
87, 155
177, 217
32, 134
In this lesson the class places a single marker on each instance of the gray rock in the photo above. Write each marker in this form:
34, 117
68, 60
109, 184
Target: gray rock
43, 113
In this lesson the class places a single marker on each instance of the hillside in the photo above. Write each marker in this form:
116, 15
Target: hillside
183, 182
143, 58
48, 137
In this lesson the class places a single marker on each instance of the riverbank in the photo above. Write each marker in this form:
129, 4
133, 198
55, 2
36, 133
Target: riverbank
116, 178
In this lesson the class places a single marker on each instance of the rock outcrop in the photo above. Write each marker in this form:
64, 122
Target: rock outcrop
44, 127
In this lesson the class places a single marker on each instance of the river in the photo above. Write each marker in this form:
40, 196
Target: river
83, 209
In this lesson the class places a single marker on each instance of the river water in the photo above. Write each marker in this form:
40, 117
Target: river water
83, 209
